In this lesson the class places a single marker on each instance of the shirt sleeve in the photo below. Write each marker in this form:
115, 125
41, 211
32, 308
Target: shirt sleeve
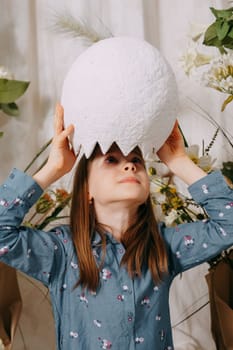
37, 253
193, 243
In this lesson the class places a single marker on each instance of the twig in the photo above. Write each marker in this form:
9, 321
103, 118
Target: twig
207, 149
38, 154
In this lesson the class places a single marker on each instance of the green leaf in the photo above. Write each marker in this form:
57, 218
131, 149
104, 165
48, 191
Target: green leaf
10, 90
211, 37
213, 42
230, 34
10, 109
225, 103
210, 33
222, 28
228, 45
1, 134
222, 51
227, 13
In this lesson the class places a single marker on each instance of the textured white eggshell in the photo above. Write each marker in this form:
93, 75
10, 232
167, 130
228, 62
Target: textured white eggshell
120, 90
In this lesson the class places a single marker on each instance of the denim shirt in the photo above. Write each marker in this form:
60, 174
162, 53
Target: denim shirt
124, 313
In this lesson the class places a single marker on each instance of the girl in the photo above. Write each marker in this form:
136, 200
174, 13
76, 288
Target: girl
110, 270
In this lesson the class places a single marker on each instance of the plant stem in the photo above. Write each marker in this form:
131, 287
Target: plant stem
208, 117
38, 154
207, 149
54, 214
185, 141
41, 166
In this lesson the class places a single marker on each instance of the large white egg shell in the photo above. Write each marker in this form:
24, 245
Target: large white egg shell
120, 90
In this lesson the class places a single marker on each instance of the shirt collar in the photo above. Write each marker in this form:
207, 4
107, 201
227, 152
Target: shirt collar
109, 238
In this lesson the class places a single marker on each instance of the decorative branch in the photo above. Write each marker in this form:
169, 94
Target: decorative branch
210, 145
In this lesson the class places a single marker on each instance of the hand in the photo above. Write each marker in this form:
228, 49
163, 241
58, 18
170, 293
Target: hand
173, 154
61, 158
173, 147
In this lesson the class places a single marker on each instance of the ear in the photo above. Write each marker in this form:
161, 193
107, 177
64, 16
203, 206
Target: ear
90, 198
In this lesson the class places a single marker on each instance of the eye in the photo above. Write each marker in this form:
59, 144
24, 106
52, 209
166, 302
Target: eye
111, 159
137, 160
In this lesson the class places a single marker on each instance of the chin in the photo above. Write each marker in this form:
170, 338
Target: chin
133, 200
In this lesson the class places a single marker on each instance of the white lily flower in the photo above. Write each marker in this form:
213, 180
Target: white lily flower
171, 217
158, 197
205, 162
196, 30
158, 182
220, 74
193, 153
192, 59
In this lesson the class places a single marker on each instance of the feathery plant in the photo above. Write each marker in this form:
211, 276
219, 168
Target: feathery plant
78, 28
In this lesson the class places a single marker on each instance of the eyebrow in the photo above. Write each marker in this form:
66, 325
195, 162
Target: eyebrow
131, 153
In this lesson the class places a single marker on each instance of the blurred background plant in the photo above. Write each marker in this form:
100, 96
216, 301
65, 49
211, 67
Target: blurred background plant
49, 208
209, 55
172, 202
10, 90
208, 59
50, 205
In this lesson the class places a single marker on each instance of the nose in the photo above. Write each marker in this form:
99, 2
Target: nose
129, 166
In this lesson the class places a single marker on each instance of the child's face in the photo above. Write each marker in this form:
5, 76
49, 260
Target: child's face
115, 178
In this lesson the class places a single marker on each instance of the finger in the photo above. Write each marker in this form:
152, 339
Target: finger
68, 131
58, 119
63, 137
175, 127
175, 132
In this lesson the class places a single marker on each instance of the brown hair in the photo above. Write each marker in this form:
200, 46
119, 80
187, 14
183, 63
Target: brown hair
142, 241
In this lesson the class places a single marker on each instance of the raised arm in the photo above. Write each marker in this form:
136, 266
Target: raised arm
193, 243
39, 254
61, 158
173, 154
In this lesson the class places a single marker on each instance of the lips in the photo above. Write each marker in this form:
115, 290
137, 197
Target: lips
130, 179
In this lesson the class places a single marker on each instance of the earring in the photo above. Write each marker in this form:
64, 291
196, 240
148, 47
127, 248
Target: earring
91, 201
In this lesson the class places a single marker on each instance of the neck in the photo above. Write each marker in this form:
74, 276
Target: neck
116, 219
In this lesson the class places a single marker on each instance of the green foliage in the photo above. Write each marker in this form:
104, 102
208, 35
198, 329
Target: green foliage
10, 109
11, 90
220, 32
